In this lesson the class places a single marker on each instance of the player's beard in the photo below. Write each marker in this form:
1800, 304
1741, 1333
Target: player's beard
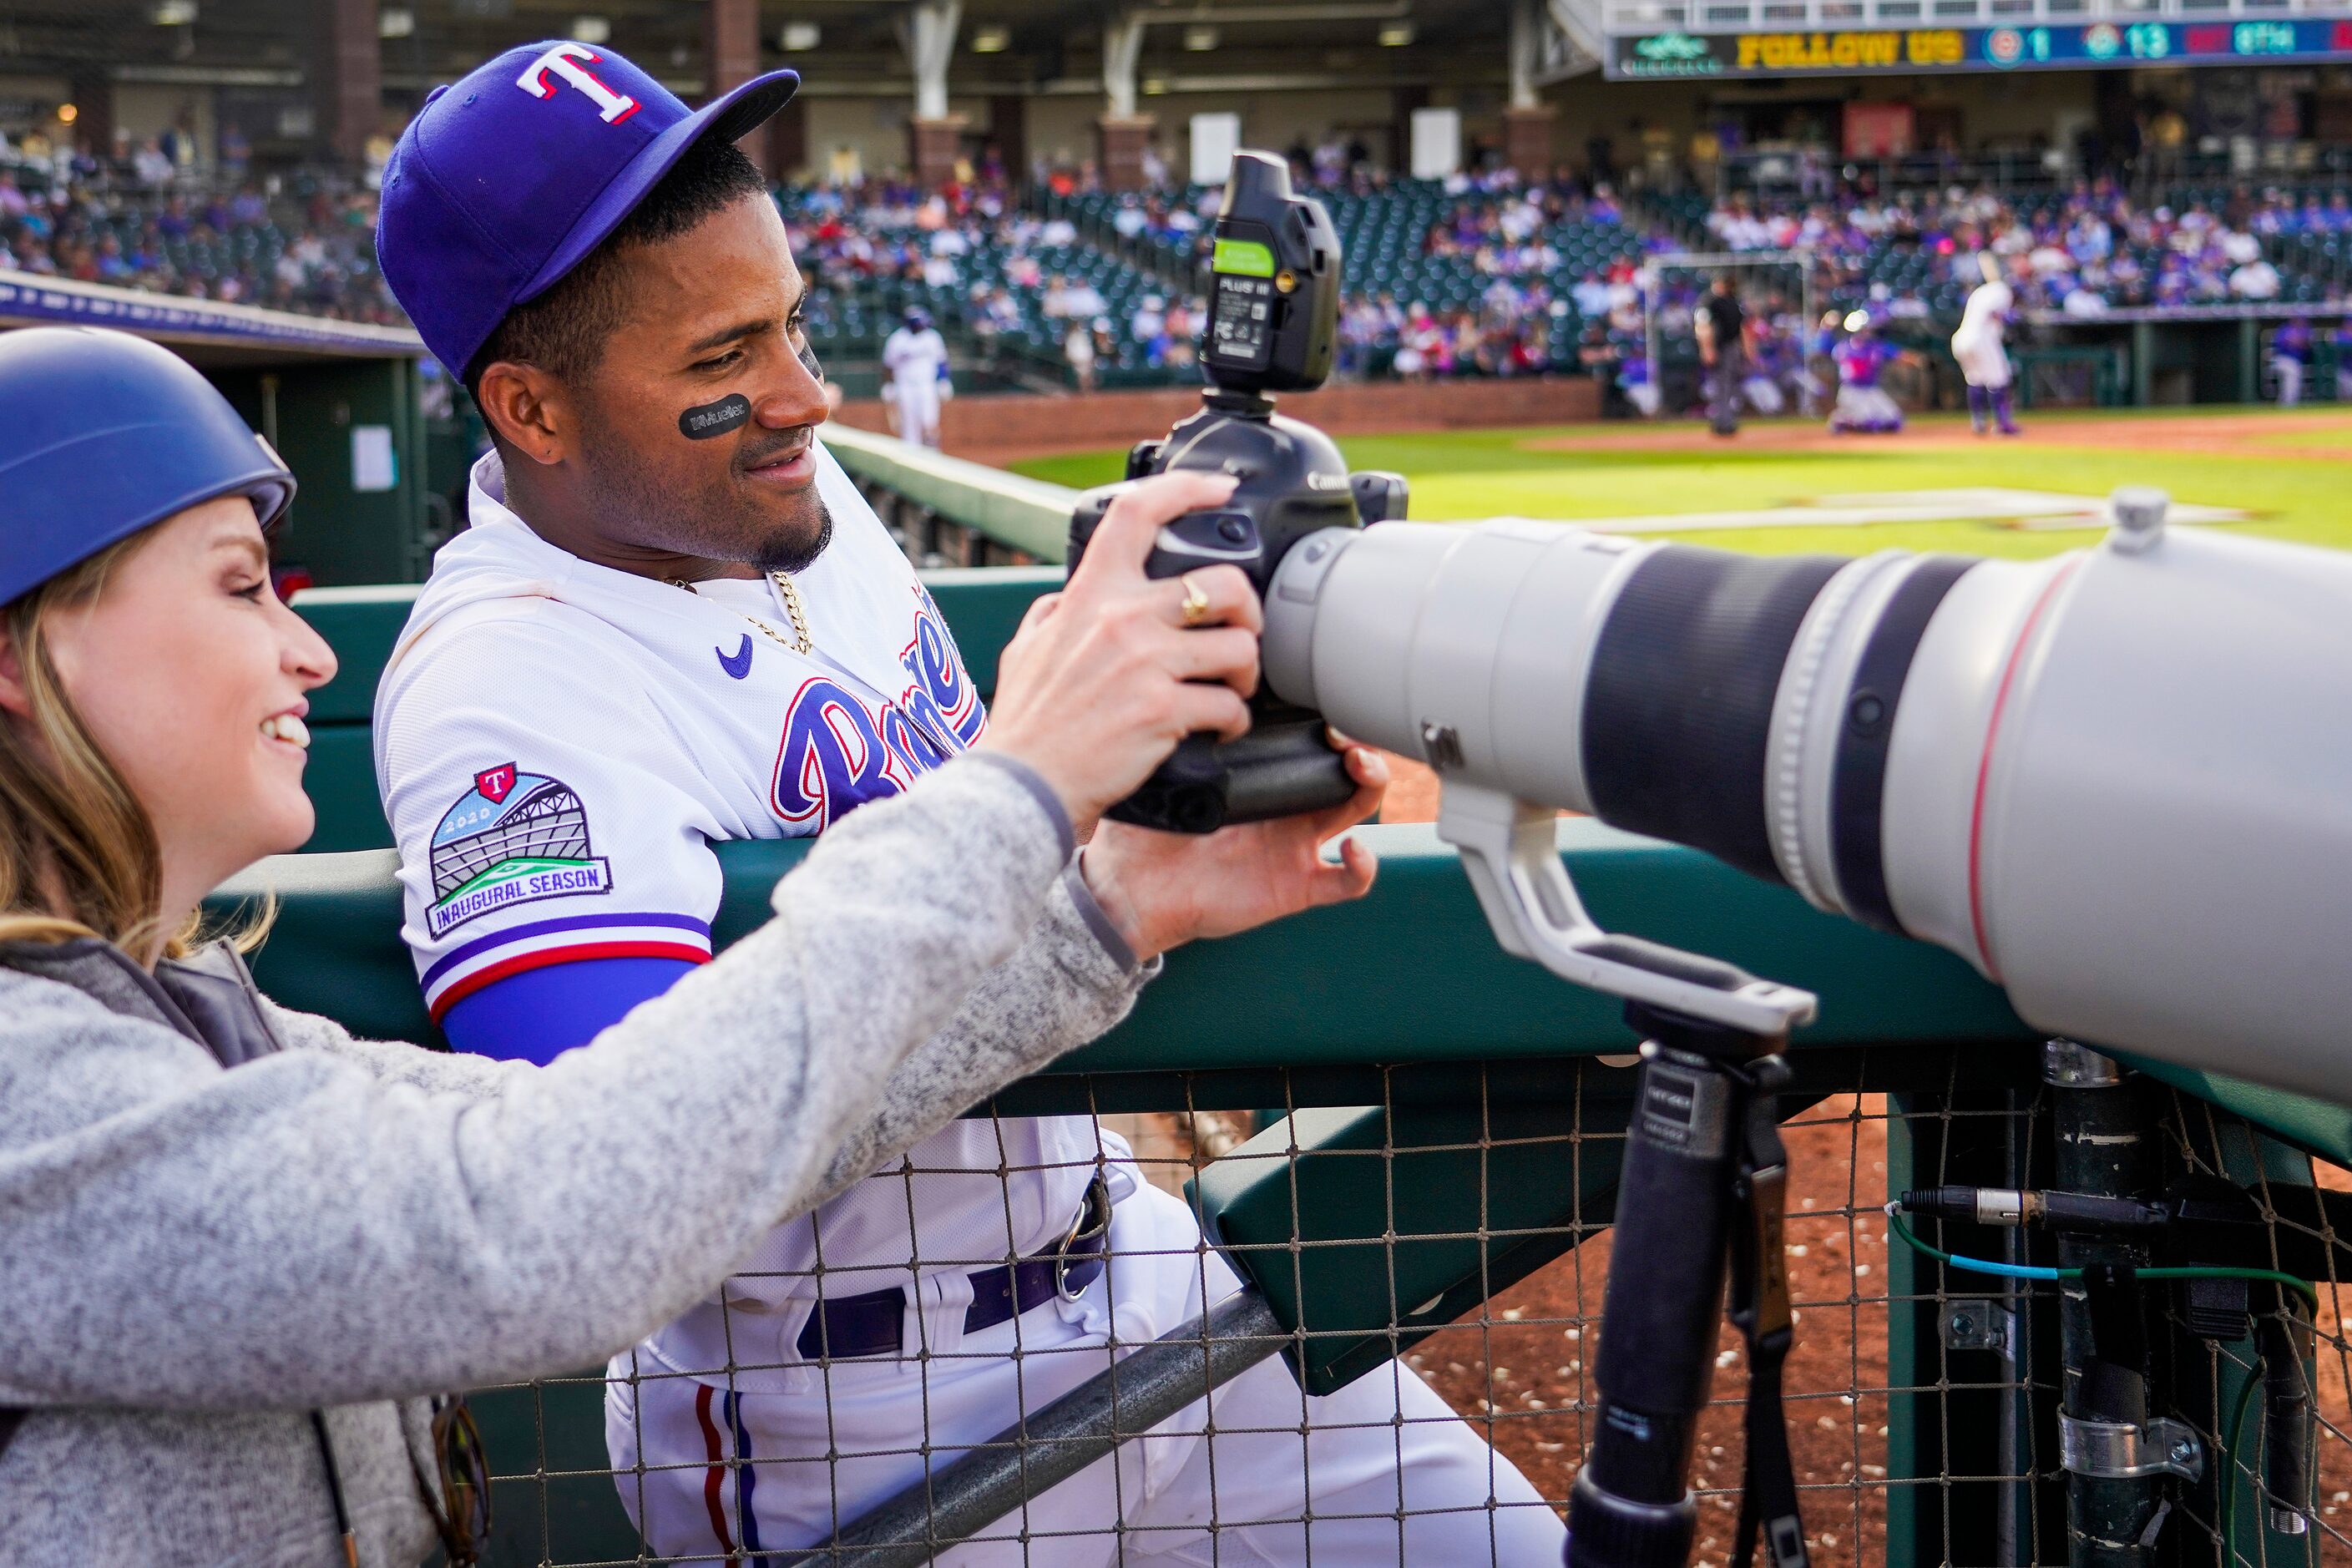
664, 515
794, 556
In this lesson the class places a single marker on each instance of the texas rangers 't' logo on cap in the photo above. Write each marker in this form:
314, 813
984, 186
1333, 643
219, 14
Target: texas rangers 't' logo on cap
570, 61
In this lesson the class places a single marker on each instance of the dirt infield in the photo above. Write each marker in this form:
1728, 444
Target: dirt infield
2215, 434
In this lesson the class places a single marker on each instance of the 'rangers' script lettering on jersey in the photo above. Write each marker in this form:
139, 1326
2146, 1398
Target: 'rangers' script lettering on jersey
838, 752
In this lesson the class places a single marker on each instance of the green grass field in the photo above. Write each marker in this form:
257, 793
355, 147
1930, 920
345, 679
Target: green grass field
2291, 479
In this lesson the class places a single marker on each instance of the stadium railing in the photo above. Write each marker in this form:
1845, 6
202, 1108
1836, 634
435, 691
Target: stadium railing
1431, 1178
1004, 510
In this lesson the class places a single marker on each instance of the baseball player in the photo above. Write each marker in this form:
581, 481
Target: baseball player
1864, 407
917, 358
1977, 344
626, 658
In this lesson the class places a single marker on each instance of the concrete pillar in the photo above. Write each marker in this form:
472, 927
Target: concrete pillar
1121, 134
1526, 123
348, 94
926, 31
1527, 142
1407, 100
1008, 126
1119, 141
787, 150
93, 101
730, 45
933, 146
1122, 46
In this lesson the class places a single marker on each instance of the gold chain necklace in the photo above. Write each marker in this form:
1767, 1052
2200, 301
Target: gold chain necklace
800, 642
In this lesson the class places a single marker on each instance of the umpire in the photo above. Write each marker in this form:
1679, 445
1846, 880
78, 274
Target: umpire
1721, 326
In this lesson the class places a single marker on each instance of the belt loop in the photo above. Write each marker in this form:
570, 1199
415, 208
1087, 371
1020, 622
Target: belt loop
937, 1323
1093, 1223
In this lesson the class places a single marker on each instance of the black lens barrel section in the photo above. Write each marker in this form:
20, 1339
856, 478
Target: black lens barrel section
1866, 729
1678, 706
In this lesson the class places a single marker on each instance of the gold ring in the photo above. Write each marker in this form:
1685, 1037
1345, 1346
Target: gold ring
1196, 604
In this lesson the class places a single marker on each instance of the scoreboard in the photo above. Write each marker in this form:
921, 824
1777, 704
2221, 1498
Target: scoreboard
1901, 52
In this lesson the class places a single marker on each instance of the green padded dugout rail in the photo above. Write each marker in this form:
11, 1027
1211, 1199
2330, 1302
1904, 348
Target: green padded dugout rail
1409, 974
1304, 991
1023, 513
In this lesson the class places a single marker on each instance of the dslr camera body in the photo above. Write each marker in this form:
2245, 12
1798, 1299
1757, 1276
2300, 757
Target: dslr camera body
1273, 314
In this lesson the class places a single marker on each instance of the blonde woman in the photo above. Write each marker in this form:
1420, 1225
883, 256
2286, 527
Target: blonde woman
243, 1249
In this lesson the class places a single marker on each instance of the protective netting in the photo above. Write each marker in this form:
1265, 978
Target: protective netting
1446, 1241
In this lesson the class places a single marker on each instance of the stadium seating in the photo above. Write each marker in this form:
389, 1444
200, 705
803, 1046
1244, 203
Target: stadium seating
852, 312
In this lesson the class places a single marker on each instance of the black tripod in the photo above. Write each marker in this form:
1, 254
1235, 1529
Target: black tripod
1703, 1189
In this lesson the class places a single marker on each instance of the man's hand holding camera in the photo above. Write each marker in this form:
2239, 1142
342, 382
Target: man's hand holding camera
1104, 679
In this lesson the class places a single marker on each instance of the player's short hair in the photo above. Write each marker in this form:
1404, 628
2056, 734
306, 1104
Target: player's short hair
563, 331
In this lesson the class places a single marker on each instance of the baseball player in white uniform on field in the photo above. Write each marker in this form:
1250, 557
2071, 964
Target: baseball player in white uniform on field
560, 740
917, 358
1977, 344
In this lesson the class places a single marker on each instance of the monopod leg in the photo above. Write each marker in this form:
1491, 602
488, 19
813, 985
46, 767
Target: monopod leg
1631, 1505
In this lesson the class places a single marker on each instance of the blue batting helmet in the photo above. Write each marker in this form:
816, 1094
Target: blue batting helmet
101, 434
918, 319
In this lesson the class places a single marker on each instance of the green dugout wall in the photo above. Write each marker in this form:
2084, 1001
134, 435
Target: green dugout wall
340, 400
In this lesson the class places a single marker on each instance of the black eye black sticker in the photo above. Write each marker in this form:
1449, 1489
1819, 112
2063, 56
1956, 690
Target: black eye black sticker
714, 418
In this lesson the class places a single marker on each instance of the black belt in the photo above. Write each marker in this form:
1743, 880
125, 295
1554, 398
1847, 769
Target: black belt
875, 1323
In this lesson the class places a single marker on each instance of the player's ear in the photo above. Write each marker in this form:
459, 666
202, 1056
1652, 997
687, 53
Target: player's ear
526, 407
13, 698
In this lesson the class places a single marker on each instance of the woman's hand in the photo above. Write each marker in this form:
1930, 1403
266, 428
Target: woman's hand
1163, 889
1104, 678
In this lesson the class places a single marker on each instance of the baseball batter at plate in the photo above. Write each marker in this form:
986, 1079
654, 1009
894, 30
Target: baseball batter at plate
675, 622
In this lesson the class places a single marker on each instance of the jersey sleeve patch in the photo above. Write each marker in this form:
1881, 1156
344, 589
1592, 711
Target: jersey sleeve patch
513, 838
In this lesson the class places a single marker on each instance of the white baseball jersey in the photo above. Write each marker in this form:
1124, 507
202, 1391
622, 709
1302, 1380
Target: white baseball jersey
1977, 342
913, 358
558, 745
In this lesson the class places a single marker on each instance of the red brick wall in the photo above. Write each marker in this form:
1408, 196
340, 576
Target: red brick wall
1000, 428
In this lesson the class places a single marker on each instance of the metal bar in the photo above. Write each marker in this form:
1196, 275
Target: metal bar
1086, 1424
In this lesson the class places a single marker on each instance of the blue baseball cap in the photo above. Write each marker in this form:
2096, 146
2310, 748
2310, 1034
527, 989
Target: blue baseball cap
507, 179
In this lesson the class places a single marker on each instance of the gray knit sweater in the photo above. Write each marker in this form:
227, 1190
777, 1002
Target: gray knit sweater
194, 1256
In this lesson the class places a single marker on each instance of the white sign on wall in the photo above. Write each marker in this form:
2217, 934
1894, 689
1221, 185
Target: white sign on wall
1436, 143
374, 465
1215, 139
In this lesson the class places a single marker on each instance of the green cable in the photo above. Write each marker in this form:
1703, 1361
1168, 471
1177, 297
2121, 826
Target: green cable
2309, 1291
2225, 1473
2226, 1478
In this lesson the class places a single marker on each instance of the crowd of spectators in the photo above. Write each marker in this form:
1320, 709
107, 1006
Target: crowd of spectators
154, 226
1003, 269
1523, 322
1514, 330
2083, 252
